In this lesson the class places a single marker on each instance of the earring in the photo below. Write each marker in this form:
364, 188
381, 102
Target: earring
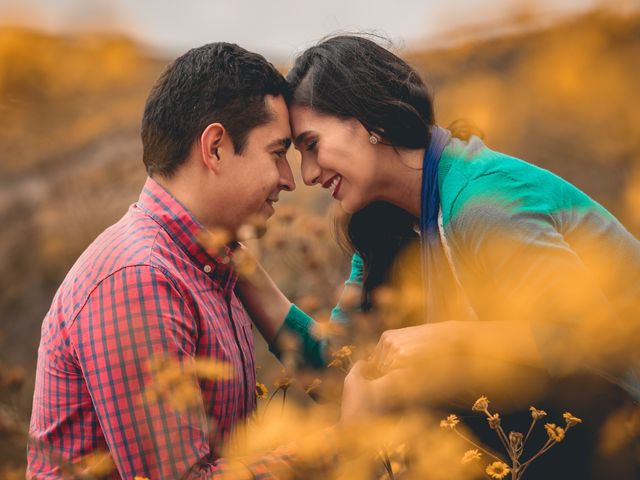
373, 139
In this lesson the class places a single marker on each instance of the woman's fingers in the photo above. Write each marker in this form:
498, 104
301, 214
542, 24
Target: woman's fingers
355, 395
389, 349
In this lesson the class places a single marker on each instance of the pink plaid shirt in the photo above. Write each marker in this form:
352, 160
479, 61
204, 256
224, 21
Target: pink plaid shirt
144, 288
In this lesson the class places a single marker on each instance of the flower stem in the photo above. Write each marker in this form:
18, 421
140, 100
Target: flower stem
387, 463
505, 442
284, 399
270, 398
476, 445
549, 443
533, 422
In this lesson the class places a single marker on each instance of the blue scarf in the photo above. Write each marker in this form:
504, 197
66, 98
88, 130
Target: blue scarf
430, 195
430, 201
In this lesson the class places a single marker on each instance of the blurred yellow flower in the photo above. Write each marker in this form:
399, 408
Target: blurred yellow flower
98, 464
450, 422
314, 384
213, 369
344, 352
336, 362
498, 470
308, 303
555, 433
282, 382
471, 456
261, 390
215, 240
326, 329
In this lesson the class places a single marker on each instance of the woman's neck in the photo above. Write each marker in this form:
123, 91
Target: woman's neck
401, 183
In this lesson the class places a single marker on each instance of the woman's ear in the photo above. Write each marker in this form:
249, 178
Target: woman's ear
210, 142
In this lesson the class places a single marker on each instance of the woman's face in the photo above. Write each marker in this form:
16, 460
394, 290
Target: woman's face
337, 155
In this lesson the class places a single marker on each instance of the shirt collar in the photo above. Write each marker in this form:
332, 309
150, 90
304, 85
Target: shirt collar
184, 228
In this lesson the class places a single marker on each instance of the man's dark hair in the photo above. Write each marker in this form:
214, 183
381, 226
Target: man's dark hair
218, 82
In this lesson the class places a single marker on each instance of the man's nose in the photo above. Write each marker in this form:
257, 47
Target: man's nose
287, 182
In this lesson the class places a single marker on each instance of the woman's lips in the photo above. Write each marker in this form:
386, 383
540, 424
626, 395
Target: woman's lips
334, 185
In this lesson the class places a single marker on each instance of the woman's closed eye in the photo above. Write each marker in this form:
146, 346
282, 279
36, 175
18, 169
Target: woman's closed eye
311, 145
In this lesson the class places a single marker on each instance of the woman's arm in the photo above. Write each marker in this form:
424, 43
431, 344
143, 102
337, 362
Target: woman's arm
279, 320
266, 304
276, 317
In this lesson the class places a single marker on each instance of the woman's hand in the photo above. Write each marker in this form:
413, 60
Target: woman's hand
357, 394
404, 347
504, 341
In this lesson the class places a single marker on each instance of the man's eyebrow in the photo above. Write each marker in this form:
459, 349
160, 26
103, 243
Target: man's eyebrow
281, 142
298, 140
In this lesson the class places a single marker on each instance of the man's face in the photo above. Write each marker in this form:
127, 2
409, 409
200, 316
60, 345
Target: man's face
257, 175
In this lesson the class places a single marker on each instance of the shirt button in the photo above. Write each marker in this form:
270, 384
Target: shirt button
207, 268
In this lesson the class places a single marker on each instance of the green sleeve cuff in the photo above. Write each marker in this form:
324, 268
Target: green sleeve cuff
300, 326
357, 270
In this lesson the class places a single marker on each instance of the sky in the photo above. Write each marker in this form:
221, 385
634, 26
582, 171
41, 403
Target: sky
275, 28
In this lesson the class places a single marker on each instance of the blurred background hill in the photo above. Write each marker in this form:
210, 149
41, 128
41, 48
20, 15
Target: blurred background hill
563, 96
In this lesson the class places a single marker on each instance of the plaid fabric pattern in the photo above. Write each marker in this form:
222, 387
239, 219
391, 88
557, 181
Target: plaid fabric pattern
142, 290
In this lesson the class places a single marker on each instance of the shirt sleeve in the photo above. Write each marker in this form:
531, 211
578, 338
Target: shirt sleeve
522, 268
133, 317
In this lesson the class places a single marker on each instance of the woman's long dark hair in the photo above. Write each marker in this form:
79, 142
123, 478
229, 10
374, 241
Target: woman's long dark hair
354, 77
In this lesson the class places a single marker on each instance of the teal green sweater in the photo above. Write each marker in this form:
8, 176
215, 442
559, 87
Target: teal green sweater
511, 225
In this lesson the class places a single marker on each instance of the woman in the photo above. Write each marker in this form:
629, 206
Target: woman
520, 268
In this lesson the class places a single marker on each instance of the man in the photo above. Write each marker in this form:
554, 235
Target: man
215, 133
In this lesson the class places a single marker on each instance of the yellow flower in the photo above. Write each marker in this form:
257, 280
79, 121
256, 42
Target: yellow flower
325, 329
481, 405
516, 440
140, 478
244, 263
283, 383
450, 422
255, 227
384, 297
286, 214
308, 303
471, 456
537, 414
498, 470
210, 369
261, 390
344, 352
337, 363
555, 433
494, 421
571, 420
314, 384
215, 240
98, 463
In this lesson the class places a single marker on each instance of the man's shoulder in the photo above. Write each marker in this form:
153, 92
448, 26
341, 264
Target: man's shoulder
136, 241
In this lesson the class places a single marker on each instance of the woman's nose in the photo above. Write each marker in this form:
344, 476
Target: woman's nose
311, 171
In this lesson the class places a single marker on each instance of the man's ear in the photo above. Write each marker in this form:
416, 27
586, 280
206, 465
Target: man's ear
210, 142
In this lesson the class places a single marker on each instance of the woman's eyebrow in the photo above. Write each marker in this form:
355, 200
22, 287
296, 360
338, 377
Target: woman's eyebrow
300, 138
